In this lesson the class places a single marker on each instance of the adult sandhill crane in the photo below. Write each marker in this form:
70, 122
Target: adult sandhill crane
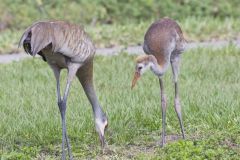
64, 45
163, 44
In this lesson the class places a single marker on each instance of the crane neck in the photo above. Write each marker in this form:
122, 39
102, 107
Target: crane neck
91, 95
157, 69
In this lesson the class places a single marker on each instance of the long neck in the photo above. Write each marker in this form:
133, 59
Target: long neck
157, 69
90, 92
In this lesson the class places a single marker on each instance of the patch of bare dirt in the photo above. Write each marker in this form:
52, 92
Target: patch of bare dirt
131, 151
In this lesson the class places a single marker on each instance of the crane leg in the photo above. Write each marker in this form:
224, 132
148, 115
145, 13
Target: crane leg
175, 69
164, 108
62, 103
57, 71
85, 76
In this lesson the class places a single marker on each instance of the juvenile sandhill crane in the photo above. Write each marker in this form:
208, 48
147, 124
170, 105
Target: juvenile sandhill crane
64, 45
163, 44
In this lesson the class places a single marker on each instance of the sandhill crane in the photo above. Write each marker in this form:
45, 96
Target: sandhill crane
163, 44
64, 45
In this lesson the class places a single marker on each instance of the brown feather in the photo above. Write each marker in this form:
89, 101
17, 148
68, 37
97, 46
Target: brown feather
142, 58
162, 38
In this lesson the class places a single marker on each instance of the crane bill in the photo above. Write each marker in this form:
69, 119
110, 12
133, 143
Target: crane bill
135, 78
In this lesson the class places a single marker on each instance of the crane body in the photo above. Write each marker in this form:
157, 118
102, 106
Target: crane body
66, 46
163, 45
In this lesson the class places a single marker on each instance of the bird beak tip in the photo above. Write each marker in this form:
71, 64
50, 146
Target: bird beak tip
102, 140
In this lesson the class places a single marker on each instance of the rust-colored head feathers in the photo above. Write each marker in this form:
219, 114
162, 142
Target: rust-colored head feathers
141, 66
137, 75
145, 58
142, 58
144, 62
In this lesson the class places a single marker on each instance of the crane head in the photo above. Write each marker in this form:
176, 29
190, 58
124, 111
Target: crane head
142, 65
101, 125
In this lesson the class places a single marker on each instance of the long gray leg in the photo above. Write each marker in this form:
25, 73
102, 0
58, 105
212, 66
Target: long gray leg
164, 108
175, 62
72, 69
57, 71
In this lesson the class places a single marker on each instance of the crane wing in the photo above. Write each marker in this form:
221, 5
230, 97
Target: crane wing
40, 37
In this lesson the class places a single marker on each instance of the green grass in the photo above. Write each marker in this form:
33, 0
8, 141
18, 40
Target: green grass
209, 89
18, 13
195, 29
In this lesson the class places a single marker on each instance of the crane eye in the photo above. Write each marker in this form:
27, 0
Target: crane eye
140, 67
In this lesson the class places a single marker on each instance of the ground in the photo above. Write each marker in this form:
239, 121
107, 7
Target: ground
209, 91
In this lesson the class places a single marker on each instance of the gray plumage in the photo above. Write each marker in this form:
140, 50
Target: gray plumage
68, 39
64, 45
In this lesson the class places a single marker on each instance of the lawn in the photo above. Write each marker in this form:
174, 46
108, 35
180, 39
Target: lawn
209, 89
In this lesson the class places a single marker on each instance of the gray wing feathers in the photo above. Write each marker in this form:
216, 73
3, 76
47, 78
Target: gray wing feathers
25, 34
68, 39
57, 38
40, 37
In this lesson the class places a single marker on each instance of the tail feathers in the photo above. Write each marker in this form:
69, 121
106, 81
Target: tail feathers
36, 38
